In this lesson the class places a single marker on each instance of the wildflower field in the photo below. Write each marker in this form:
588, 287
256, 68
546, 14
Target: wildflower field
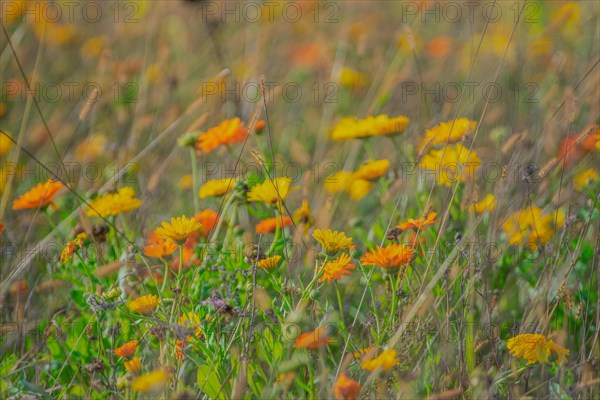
300, 199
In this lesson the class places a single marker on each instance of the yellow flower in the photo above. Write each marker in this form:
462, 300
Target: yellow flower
303, 215
269, 262
530, 226
179, 229
359, 189
216, 187
457, 164
585, 179
449, 131
145, 305
267, 192
390, 256
114, 203
191, 320
334, 270
133, 366
338, 182
535, 348
352, 79
5, 143
154, 381
488, 203
332, 241
372, 170
384, 362
352, 128
91, 148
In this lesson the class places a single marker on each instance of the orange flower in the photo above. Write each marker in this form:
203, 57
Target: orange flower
334, 270
158, 247
179, 349
127, 350
38, 196
346, 388
270, 224
569, 150
209, 219
313, 340
439, 47
229, 131
2, 227
391, 256
418, 224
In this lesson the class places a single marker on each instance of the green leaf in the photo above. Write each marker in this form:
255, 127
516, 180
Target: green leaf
208, 382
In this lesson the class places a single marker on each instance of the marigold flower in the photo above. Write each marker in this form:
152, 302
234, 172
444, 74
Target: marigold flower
372, 170
111, 204
359, 189
216, 187
267, 192
390, 256
381, 125
270, 224
67, 253
488, 203
313, 340
334, 270
585, 179
383, 362
592, 141
332, 241
531, 226
449, 131
346, 388
454, 164
418, 224
208, 219
303, 215
228, 132
179, 229
127, 350
39, 196
133, 366
535, 348
145, 305
269, 262
339, 182
152, 382
158, 247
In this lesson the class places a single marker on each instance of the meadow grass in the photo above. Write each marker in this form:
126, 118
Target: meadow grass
305, 199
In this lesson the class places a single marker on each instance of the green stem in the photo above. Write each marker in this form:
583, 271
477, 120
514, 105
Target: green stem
165, 277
